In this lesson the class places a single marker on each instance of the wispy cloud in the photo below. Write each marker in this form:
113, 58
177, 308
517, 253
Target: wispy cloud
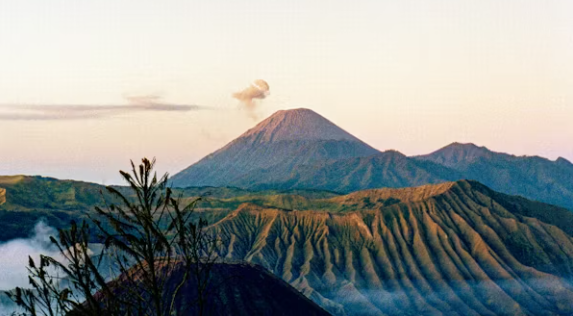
47, 112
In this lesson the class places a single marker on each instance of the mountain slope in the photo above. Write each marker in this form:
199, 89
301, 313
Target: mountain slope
234, 288
285, 139
533, 177
386, 169
299, 149
44, 192
458, 155
296, 124
24, 201
449, 249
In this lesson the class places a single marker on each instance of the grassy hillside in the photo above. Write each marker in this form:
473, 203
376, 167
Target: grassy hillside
26, 200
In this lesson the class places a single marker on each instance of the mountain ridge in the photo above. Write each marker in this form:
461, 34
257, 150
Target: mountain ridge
456, 152
384, 169
533, 177
469, 152
299, 149
457, 251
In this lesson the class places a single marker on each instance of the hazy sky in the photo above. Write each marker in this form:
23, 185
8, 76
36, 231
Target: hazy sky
406, 75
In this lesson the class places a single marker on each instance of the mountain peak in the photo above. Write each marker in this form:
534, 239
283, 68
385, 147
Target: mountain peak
300, 111
564, 162
272, 149
468, 150
458, 153
464, 146
297, 124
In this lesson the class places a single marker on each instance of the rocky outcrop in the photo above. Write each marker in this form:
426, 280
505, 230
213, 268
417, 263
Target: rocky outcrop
2, 196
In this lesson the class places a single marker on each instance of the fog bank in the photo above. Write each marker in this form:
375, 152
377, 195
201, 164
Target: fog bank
14, 255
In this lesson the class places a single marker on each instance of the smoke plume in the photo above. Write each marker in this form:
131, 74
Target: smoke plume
258, 89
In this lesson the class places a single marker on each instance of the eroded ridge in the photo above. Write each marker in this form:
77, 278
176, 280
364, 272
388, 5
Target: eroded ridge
449, 249
2, 196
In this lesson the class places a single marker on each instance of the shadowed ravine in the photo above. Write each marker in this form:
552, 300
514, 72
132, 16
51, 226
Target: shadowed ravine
452, 249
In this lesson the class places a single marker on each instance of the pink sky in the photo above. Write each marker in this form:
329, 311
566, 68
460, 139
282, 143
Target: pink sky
406, 75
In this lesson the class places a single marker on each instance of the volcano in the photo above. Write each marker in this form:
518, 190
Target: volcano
299, 149
287, 139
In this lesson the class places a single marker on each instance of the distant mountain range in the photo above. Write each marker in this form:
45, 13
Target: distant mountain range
533, 177
299, 149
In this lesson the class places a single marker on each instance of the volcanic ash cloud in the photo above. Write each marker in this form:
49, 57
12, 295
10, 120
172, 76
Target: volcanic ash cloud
258, 89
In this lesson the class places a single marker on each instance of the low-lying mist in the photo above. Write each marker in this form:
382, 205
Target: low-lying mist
14, 255
456, 297
14, 260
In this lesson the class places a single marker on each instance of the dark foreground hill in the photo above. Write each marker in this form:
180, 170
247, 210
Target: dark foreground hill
449, 249
236, 288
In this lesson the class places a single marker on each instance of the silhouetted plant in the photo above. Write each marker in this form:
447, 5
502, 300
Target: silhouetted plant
144, 236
